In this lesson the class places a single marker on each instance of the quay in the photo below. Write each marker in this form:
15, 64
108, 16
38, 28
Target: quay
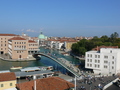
6, 58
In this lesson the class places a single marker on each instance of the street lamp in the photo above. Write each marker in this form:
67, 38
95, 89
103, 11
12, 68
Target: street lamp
75, 82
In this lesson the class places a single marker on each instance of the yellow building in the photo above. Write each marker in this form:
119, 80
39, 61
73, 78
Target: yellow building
7, 80
68, 44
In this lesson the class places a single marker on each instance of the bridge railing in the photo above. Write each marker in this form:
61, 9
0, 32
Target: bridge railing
65, 63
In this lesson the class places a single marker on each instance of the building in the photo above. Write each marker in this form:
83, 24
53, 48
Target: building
50, 83
4, 42
61, 43
7, 81
21, 48
106, 61
68, 44
41, 39
56, 44
18, 48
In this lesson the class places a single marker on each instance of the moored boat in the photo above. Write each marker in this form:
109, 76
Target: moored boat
15, 67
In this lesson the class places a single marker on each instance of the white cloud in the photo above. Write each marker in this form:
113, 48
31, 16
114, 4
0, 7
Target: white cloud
29, 30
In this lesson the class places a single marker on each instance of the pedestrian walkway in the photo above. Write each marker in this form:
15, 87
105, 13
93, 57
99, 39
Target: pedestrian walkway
94, 83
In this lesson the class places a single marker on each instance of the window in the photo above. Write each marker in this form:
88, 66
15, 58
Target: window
112, 62
90, 60
95, 61
95, 56
105, 66
10, 84
88, 65
111, 51
112, 57
98, 66
98, 61
98, 56
112, 67
1, 85
95, 65
91, 55
105, 61
87, 60
105, 56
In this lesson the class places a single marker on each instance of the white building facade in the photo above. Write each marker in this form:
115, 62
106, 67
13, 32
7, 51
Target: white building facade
106, 61
55, 44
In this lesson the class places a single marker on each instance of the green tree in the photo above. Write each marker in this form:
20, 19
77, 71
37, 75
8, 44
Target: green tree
114, 35
82, 50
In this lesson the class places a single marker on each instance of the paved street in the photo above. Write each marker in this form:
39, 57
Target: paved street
95, 83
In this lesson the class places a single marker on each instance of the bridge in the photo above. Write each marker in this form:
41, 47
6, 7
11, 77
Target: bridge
63, 62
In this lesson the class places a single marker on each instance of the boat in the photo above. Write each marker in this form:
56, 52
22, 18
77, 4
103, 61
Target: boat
15, 67
50, 68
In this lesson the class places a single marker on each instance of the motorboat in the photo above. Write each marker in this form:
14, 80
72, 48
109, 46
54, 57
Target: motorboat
15, 67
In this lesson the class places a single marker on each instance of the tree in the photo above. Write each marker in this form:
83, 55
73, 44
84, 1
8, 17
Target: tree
114, 35
105, 38
82, 50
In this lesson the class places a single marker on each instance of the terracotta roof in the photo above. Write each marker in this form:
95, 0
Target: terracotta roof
7, 35
31, 41
50, 83
17, 38
7, 76
63, 40
99, 47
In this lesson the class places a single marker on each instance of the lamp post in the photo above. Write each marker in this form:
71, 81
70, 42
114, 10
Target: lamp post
75, 82
34, 78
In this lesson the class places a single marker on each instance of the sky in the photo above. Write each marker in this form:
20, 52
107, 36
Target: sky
61, 18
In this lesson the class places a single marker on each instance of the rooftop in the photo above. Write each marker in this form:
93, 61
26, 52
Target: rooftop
17, 38
7, 76
50, 83
31, 41
7, 35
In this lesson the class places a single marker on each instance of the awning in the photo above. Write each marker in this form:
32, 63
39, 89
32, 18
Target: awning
4, 71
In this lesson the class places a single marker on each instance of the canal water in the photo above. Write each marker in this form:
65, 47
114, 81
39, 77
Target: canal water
44, 61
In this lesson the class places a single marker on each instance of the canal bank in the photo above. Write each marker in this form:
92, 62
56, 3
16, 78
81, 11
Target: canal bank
7, 58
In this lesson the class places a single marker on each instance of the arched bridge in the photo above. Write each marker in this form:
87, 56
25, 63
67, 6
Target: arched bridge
65, 63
